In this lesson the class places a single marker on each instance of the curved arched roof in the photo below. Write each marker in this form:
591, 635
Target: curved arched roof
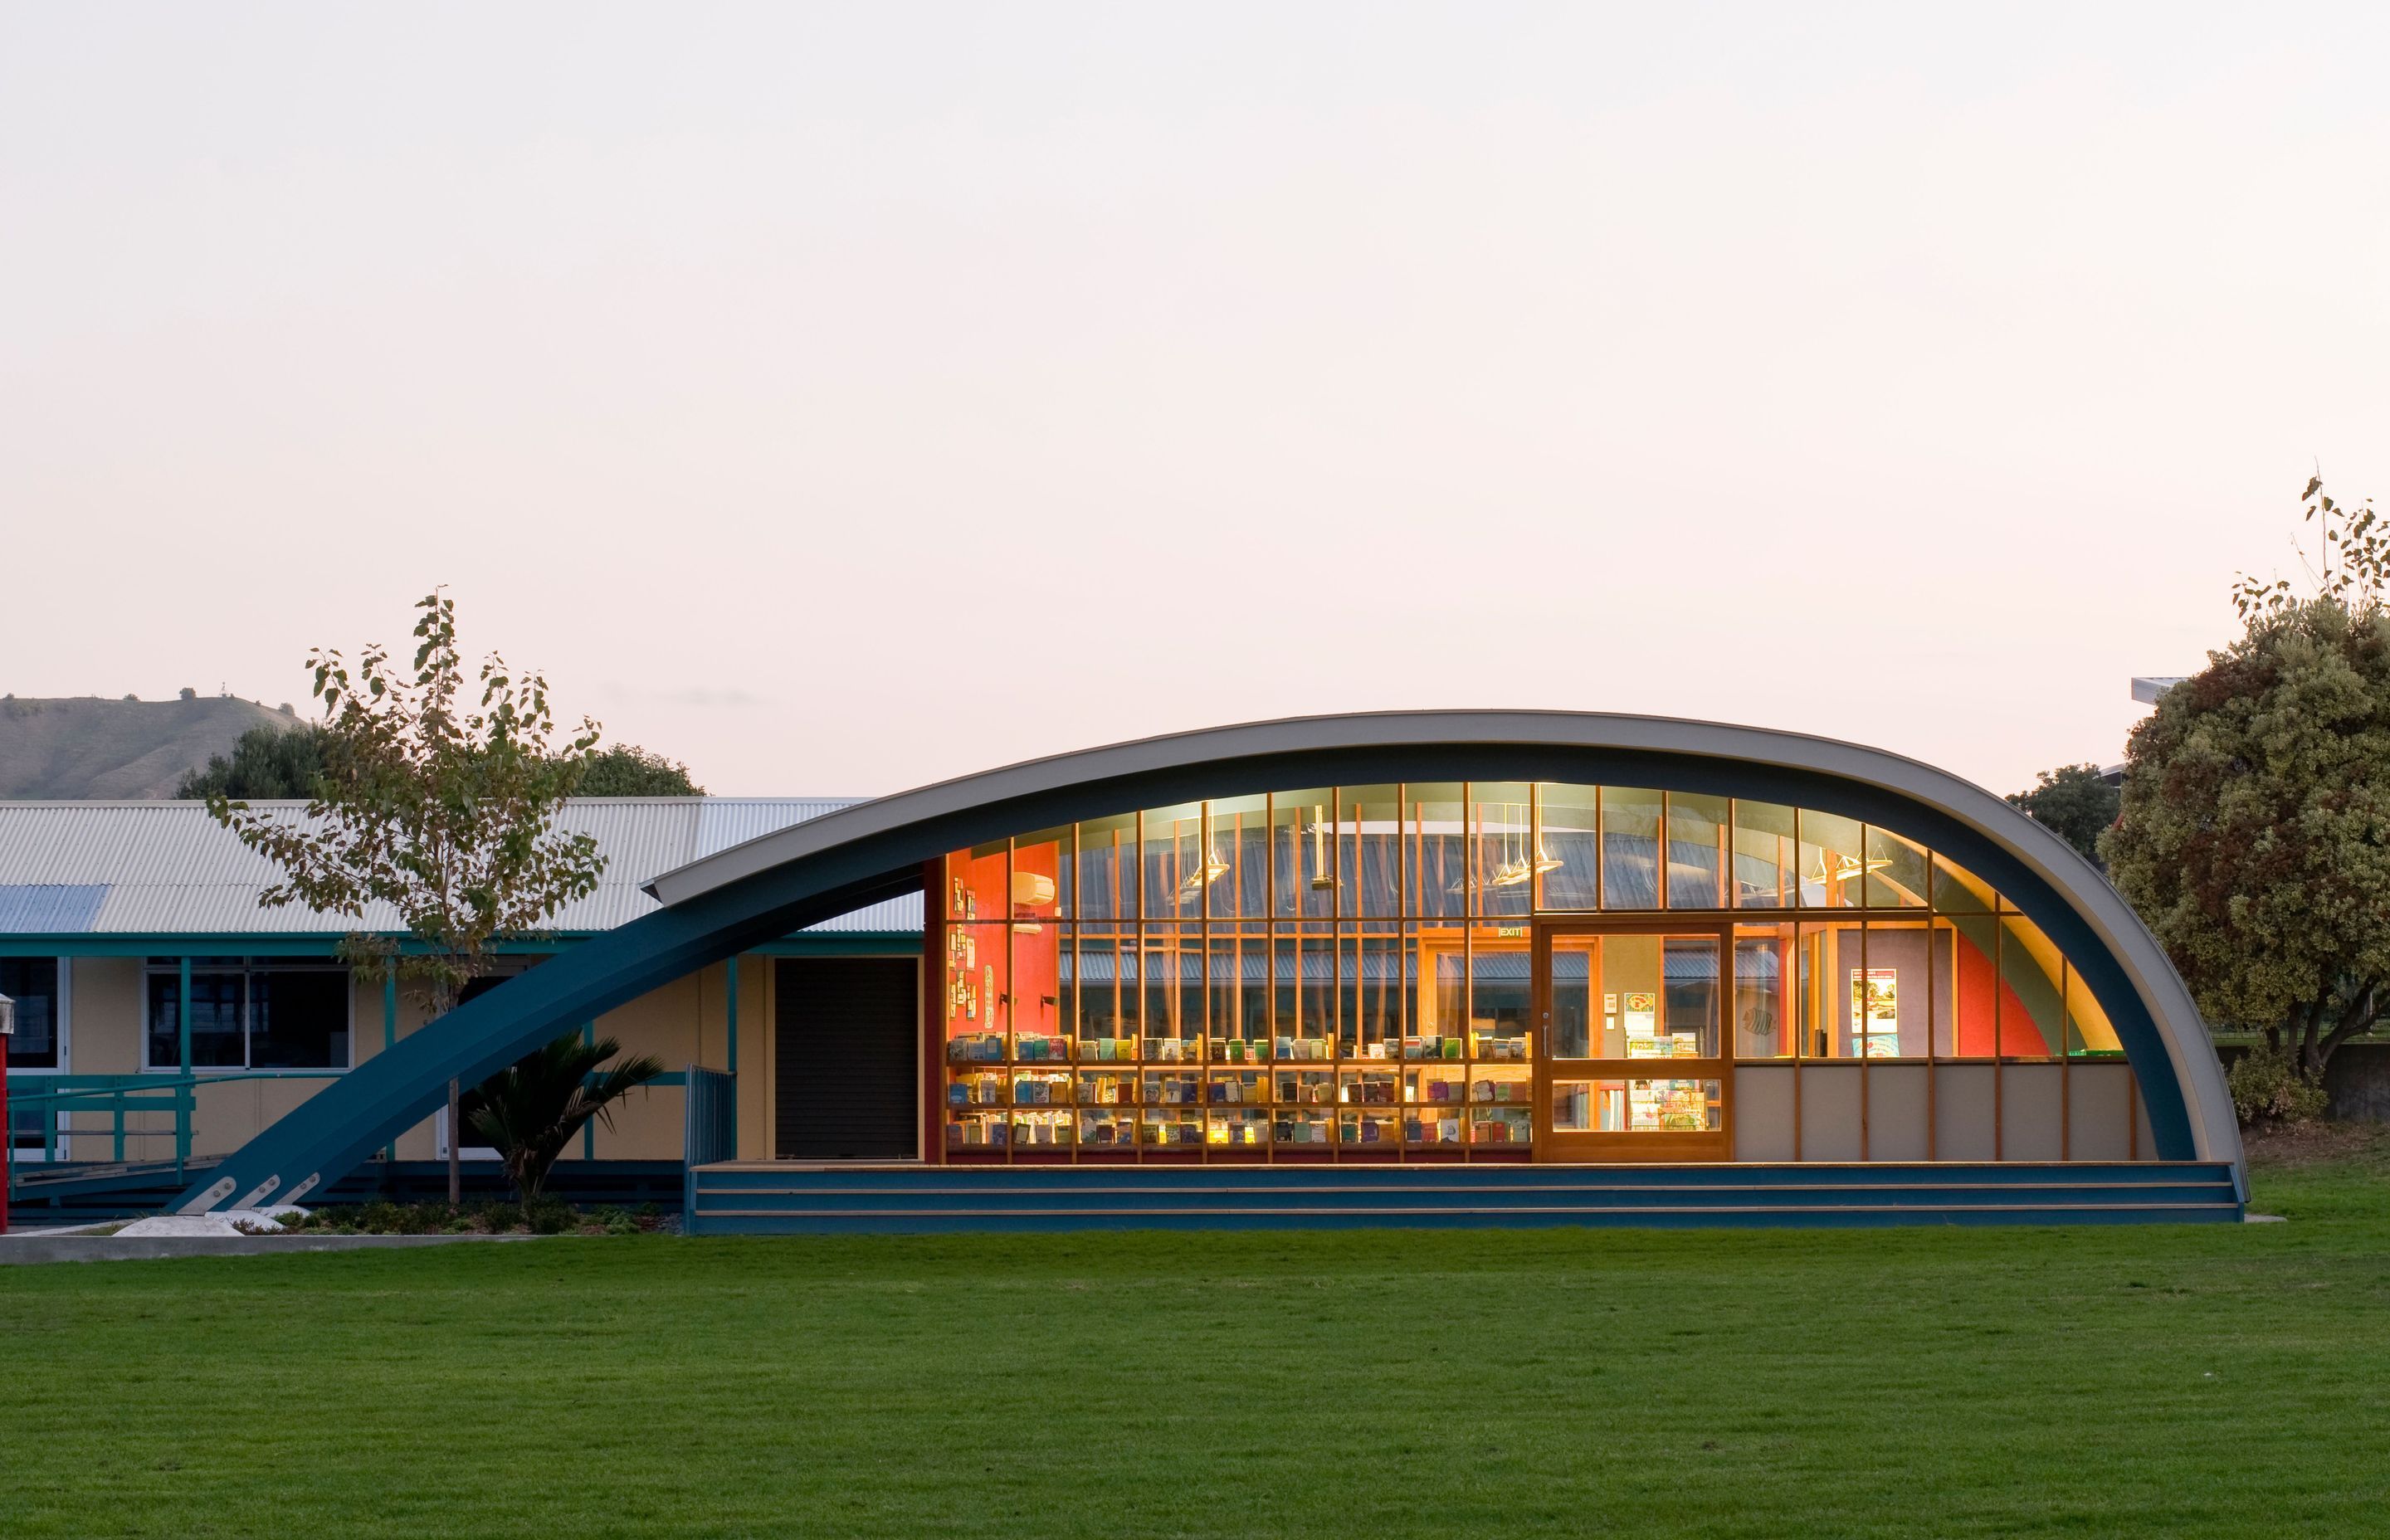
767, 887
1903, 794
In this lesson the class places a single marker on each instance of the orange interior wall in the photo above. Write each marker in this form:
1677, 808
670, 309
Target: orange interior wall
1979, 985
1037, 954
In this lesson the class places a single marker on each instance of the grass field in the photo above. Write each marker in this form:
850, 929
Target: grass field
2203, 1379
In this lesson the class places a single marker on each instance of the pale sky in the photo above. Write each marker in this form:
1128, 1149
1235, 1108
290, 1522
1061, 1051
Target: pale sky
841, 398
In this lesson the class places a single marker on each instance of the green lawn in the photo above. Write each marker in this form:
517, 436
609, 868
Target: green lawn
2204, 1379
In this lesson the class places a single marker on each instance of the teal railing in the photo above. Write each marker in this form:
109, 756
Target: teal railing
102, 1107
711, 1130
82, 1106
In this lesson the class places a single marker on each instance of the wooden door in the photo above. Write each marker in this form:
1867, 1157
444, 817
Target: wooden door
1632, 1061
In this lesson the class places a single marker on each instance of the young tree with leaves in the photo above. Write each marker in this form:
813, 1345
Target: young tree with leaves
439, 811
2255, 835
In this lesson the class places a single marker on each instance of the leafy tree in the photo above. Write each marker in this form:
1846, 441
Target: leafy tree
627, 770
267, 761
528, 1111
2075, 802
436, 812
2254, 837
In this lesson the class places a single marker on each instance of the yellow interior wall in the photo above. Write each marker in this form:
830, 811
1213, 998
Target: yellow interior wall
2081, 1006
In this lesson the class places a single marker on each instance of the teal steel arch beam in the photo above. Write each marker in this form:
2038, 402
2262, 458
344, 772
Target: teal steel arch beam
334, 1131
760, 890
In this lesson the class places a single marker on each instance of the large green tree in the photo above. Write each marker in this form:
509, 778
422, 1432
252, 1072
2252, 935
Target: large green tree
434, 808
2255, 835
2076, 801
266, 763
627, 770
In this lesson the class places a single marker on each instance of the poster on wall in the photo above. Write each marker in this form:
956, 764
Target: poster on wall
1875, 1012
1643, 1039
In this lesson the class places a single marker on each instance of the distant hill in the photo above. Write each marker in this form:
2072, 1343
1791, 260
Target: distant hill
84, 747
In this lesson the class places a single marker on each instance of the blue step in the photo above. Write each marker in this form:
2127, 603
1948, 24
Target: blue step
787, 1199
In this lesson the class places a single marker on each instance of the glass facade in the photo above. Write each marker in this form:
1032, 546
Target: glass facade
1454, 971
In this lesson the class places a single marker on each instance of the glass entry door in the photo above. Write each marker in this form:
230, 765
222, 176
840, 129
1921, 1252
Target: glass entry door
1631, 1059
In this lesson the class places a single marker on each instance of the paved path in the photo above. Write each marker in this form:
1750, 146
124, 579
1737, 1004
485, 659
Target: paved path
52, 1246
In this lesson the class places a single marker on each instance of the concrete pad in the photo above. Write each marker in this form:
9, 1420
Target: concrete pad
221, 1222
24, 1248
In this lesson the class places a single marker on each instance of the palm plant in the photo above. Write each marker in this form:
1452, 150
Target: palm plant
529, 1110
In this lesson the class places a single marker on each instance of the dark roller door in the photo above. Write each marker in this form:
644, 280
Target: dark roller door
848, 1081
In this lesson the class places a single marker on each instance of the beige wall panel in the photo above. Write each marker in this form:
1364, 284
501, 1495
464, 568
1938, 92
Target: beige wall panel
229, 1113
2030, 1112
419, 1143
365, 1017
1763, 1114
224, 1116
2099, 1112
1897, 1113
277, 1098
758, 1002
681, 1023
104, 1038
1962, 1112
666, 1023
1830, 1111
2145, 1143
104, 1016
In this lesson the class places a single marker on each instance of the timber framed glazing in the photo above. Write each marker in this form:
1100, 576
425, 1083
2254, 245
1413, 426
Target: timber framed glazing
1364, 973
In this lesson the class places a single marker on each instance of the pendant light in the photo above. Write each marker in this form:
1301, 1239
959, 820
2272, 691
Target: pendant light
1213, 869
1545, 860
1516, 868
1846, 867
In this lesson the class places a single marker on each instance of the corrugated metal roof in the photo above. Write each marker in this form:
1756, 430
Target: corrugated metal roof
165, 868
723, 822
49, 905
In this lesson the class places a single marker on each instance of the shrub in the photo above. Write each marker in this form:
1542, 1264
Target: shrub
2267, 1087
546, 1217
489, 1216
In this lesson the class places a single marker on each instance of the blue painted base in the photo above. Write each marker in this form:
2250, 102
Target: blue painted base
779, 1200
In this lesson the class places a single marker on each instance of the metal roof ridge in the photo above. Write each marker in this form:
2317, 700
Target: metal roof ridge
195, 804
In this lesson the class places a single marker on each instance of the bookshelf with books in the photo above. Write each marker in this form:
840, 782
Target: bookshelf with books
1089, 1013
1444, 970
